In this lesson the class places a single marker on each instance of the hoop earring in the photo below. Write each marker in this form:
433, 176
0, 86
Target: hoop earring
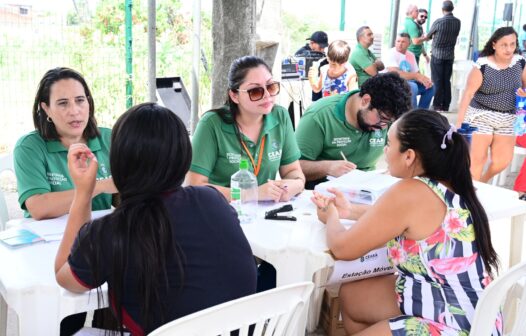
48, 119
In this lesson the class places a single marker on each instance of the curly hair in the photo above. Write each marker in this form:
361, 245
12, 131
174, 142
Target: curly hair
497, 35
389, 93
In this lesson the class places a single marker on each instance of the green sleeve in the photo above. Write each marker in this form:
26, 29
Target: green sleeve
309, 136
360, 60
204, 148
291, 152
412, 30
30, 171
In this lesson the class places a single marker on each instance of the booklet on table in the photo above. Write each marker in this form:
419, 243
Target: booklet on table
359, 186
18, 237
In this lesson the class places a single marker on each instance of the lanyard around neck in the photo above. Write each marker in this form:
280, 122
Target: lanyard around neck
260, 153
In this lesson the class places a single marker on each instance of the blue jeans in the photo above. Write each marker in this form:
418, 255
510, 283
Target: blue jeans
425, 94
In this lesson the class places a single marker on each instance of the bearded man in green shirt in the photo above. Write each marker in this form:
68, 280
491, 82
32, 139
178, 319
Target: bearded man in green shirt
340, 133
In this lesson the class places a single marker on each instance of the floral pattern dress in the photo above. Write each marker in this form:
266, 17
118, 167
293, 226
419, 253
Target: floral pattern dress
441, 277
333, 86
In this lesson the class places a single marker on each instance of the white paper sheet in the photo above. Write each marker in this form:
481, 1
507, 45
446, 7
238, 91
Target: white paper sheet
359, 186
53, 229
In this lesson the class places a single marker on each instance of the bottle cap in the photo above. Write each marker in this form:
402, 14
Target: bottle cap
243, 164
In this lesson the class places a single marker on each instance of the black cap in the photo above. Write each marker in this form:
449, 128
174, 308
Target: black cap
448, 6
320, 38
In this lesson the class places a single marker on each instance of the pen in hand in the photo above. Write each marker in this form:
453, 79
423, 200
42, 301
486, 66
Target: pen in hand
343, 156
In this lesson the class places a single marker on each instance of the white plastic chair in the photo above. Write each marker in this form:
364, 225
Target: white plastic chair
6, 163
274, 312
511, 287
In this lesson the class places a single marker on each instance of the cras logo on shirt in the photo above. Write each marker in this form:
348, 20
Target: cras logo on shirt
275, 154
377, 140
103, 169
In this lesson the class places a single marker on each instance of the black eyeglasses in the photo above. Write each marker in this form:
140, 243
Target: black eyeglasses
384, 120
423, 17
258, 93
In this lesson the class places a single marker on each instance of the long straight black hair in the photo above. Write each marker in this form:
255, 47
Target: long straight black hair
423, 131
149, 156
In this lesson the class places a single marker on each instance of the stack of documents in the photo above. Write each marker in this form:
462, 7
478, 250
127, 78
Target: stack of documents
359, 186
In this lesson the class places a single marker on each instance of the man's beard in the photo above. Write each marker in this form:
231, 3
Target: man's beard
421, 22
365, 127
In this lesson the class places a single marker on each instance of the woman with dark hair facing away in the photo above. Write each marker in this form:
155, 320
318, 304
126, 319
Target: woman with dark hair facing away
489, 103
435, 229
167, 250
251, 126
63, 114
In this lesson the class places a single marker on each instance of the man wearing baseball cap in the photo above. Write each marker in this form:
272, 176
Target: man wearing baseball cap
317, 43
315, 49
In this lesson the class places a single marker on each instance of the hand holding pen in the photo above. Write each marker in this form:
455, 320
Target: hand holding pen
340, 167
274, 191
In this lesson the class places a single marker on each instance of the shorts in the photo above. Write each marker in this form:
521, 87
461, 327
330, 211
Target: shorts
490, 122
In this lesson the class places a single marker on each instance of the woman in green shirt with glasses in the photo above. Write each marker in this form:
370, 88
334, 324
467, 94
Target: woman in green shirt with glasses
249, 126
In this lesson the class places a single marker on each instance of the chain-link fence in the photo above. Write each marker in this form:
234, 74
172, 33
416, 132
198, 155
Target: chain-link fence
32, 42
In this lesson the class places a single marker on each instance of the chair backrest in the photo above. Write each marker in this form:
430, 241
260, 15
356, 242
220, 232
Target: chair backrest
273, 312
6, 163
510, 288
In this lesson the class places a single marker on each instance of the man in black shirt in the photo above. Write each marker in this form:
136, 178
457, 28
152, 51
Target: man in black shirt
317, 44
444, 33
315, 49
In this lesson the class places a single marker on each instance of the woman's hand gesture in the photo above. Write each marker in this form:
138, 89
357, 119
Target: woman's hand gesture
340, 202
83, 166
326, 209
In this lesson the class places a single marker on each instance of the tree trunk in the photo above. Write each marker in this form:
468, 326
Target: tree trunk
233, 34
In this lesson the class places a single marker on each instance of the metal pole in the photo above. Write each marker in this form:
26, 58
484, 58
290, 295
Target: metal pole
428, 22
196, 53
342, 15
394, 21
514, 16
473, 31
129, 56
494, 16
152, 87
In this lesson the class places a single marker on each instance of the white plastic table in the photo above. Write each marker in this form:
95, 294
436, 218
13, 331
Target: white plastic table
296, 249
28, 286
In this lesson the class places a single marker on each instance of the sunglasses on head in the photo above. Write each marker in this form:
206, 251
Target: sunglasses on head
258, 93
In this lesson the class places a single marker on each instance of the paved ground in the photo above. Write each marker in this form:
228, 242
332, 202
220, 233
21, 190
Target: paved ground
8, 185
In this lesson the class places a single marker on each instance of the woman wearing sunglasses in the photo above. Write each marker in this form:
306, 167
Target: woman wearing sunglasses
250, 126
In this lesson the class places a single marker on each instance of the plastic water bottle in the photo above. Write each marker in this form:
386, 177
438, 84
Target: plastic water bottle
244, 193
519, 125
466, 130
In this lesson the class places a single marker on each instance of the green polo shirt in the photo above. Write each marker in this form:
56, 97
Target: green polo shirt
362, 58
323, 132
217, 150
412, 28
42, 166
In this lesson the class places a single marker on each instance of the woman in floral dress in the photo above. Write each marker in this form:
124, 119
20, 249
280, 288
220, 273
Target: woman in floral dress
436, 232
